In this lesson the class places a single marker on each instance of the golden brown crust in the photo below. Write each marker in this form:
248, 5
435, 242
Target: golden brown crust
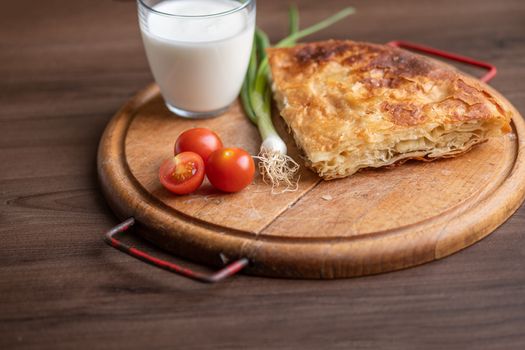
351, 105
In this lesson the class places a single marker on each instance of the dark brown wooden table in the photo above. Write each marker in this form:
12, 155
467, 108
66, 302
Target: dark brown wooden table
67, 66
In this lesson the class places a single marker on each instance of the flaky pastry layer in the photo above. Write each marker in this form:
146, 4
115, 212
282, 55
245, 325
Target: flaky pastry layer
355, 105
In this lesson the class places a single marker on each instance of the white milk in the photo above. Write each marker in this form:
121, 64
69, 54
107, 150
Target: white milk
199, 63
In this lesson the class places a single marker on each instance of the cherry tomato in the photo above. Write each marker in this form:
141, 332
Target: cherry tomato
199, 140
183, 173
230, 169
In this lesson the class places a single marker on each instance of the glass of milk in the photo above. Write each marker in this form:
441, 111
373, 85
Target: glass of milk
198, 51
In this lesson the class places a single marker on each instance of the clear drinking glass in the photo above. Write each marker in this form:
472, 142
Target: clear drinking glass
198, 51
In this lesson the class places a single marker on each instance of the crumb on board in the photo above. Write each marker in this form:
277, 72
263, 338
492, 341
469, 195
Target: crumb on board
224, 258
326, 197
512, 136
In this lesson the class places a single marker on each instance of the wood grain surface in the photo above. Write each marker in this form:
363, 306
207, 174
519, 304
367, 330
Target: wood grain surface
67, 66
376, 221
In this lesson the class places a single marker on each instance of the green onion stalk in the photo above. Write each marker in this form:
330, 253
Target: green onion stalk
276, 167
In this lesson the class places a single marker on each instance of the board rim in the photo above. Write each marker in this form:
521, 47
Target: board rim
196, 238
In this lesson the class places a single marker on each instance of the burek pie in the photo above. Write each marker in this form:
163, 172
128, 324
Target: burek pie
352, 105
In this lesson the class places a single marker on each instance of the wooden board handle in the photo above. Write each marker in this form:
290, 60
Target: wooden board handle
492, 71
228, 270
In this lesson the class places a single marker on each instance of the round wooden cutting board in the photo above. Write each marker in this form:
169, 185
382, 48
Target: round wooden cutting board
375, 221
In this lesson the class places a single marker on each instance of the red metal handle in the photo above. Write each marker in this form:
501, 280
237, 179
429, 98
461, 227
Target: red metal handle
228, 270
492, 71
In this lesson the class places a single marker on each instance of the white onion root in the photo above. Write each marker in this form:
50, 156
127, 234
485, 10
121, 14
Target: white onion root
278, 170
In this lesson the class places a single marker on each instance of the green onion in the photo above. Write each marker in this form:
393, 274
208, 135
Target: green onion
247, 84
275, 165
291, 39
293, 20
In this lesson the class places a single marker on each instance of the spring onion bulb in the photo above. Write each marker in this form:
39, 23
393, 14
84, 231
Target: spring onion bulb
275, 165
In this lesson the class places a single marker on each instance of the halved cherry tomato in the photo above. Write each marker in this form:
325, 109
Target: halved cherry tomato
183, 173
230, 169
199, 140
